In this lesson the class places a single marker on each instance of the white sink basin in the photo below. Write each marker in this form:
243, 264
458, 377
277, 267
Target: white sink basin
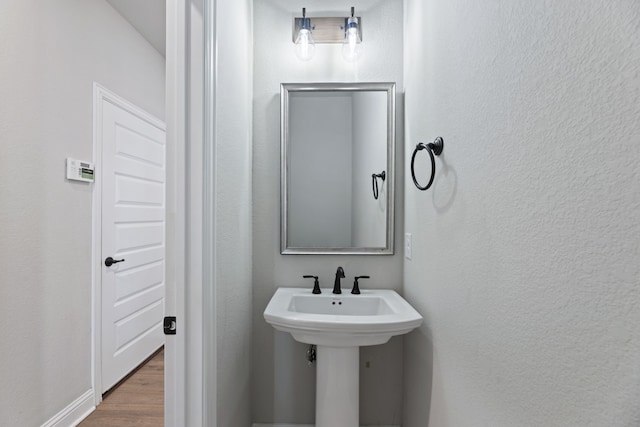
339, 325
343, 320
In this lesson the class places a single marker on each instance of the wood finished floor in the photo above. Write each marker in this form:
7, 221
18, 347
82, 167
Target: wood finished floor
138, 401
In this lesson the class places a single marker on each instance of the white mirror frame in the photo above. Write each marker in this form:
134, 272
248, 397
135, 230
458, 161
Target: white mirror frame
285, 90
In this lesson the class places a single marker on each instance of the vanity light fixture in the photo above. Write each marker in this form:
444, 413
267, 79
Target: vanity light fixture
327, 30
352, 44
305, 46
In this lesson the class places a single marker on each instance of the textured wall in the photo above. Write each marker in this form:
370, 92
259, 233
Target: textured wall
526, 259
50, 55
283, 385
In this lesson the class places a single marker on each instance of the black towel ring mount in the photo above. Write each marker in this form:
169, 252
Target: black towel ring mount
432, 148
374, 182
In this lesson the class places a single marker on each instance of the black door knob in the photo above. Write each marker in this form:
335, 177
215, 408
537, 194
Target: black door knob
110, 261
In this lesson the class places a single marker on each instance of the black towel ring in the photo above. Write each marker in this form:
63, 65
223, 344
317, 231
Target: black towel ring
374, 182
432, 148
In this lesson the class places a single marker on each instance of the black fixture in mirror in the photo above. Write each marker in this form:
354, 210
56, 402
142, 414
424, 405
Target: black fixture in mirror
374, 183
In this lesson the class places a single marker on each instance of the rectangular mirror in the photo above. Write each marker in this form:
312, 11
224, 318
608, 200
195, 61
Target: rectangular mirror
337, 168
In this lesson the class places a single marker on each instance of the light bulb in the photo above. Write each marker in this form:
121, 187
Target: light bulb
305, 47
352, 45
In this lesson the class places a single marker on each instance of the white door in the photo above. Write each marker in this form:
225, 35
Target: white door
133, 235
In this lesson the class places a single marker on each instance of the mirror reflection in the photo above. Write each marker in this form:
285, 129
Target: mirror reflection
337, 167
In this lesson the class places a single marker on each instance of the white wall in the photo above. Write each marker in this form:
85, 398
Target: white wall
52, 52
233, 177
526, 255
283, 385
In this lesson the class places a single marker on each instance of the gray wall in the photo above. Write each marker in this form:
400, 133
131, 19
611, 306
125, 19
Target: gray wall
283, 385
526, 254
370, 148
233, 252
52, 52
320, 155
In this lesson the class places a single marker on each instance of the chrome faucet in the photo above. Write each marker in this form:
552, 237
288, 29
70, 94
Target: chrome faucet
336, 284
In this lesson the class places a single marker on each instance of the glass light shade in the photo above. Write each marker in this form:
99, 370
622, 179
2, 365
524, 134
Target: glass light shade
304, 47
352, 45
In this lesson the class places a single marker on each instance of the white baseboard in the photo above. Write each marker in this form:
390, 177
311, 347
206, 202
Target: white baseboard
77, 411
306, 425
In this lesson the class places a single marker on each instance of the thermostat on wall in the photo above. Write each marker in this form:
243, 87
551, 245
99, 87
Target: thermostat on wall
77, 170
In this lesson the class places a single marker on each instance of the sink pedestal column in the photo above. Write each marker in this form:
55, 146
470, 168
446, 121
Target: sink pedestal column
338, 386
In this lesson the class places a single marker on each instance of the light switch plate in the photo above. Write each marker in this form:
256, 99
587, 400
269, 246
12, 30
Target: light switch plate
407, 245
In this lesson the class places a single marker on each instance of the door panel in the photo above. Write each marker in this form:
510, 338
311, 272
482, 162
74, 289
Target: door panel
132, 191
133, 167
137, 280
142, 322
133, 229
143, 148
136, 236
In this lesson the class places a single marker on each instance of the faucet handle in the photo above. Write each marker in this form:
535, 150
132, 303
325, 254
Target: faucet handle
316, 284
356, 289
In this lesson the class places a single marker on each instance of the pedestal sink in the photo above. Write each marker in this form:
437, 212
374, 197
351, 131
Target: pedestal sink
339, 325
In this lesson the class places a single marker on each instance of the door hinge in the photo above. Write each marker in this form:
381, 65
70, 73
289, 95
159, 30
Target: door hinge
170, 325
